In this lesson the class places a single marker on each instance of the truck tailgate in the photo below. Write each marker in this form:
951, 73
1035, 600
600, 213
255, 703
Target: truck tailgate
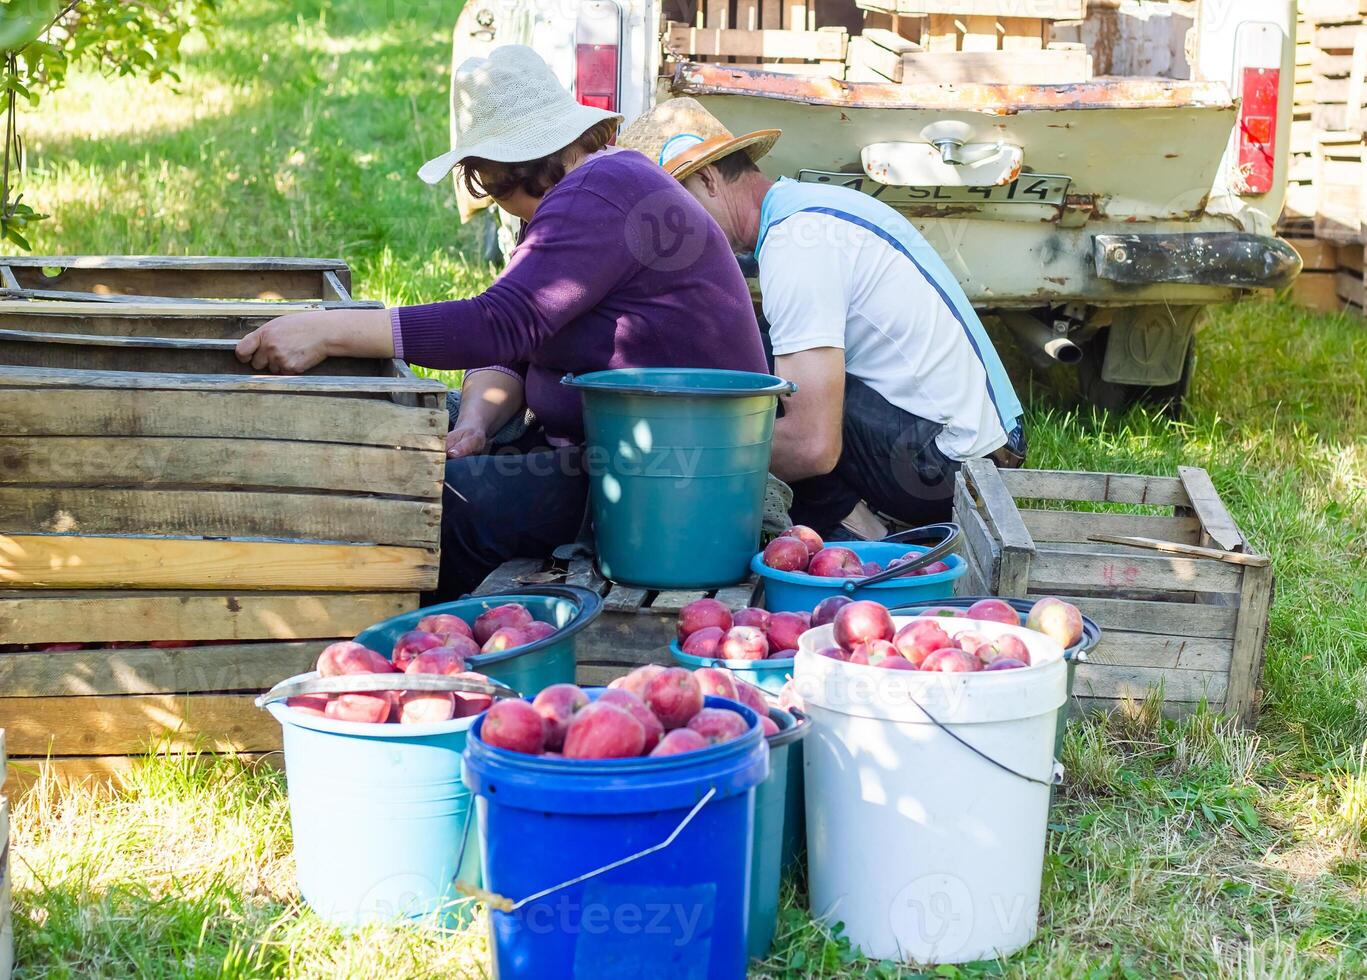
1136, 149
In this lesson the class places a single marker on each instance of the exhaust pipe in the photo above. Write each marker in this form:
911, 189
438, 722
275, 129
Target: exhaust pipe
1040, 340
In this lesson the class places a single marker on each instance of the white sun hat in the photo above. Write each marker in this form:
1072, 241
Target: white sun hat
509, 107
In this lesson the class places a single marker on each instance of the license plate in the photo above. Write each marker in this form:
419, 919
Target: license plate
1049, 189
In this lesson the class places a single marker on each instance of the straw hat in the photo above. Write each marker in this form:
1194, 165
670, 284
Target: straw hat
683, 137
509, 107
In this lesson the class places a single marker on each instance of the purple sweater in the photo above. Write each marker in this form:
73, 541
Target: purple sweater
619, 268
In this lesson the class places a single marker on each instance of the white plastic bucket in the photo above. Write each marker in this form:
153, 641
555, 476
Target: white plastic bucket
927, 850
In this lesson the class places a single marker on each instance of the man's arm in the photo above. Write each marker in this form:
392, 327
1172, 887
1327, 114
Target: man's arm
489, 398
807, 440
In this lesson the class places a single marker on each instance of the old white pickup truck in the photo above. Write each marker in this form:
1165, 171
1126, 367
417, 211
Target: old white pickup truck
1094, 215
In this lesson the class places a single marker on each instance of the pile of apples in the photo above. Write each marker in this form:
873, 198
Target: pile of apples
800, 549
652, 711
708, 629
440, 645
865, 634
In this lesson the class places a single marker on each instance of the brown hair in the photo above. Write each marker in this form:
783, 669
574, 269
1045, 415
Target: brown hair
735, 165
491, 178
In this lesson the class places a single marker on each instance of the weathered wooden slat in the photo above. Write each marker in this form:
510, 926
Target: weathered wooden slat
1210, 509
967, 67
226, 513
130, 725
1179, 619
203, 414
1047, 9
709, 42
509, 576
1190, 550
1055, 571
584, 574
1173, 710
736, 596
1120, 488
114, 321
1119, 648
1250, 643
627, 638
1072, 525
69, 303
978, 541
1108, 681
34, 377
252, 667
101, 772
671, 601
177, 263
624, 598
62, 561
40, 616
999, 511
136, 461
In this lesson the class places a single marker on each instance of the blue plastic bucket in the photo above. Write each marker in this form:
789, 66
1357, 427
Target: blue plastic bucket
620, 868
772, 813
530, 668
677, 454
799, 592
381, 821
767, 675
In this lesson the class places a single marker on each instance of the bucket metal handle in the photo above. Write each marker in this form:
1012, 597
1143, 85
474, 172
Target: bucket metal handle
1055, 776
362, 683
951, 535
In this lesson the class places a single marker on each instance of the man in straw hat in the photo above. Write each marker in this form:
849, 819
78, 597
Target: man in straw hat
618, 267
898, 382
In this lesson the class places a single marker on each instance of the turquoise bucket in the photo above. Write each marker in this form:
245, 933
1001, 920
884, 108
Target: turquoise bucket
800, 592
767, 675
383, 827
772, 815
528, 669
673, 455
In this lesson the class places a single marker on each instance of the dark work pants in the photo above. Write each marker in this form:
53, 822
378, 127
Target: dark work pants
889, 459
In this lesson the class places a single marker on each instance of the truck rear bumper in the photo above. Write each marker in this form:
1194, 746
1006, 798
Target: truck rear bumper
1221, 258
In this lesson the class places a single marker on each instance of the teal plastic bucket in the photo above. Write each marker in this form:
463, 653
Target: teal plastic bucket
771, 827
675, 455
620, 869
767, 675
528, 669
799, 592
381, 820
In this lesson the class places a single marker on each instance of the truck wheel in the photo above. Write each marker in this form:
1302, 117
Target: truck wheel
1119, 397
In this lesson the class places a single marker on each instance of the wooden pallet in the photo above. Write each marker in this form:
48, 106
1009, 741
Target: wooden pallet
636, 625
1317, 287
153, 489
1190, 618
772, 35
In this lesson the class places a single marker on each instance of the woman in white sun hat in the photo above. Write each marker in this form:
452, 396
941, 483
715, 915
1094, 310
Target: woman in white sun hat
618, 266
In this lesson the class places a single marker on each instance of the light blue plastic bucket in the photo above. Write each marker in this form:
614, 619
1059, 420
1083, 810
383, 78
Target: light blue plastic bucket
620, 869
381, 820
529, 668
767, 675
674, 455
772, 813
799, 592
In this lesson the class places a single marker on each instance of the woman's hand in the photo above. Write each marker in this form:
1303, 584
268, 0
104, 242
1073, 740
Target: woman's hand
295, 343
465, 441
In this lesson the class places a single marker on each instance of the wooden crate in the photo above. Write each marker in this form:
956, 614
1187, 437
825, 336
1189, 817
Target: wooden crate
1338, 187
153, 489
6, 884
1176, 618
635, 626
1317, 287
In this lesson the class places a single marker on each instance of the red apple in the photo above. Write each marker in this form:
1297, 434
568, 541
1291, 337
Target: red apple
835, 653
412, 643
768, 726
674, 696
873, 650
426, 707
935, 568
787, 555
826, 609
442, 660
1008, 647
836, 563
1056, 619
309, 704
807, 536
603, 731
537, 630
638, 680
702, 613
919, 639
678, 741
347, 657
516, 726
750, 616
752, 697
862, 621
372, 709
506, 638
971, 641
705, 643
446, 626
556, 705
510, 615
635, 707
784, 630
994, 611
788, 654
718, 725
744, 643
1005, 663
947, 612
932, 662
717, 681
470, 703
958, 662
871, 568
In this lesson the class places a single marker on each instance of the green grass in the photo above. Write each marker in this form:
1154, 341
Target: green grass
1175, 849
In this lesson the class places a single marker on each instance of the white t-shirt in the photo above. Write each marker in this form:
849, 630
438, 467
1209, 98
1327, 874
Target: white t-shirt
828, 282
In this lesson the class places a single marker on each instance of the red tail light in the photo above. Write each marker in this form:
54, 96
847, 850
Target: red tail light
1258, 128
597, 47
